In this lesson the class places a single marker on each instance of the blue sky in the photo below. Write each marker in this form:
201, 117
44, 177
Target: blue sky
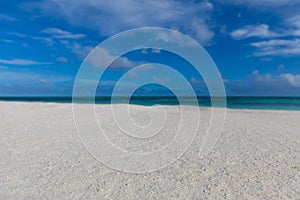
255, 44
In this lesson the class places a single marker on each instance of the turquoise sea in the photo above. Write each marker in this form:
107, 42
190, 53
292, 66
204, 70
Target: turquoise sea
269, 103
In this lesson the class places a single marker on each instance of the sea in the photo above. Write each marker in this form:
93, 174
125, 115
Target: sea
263, 103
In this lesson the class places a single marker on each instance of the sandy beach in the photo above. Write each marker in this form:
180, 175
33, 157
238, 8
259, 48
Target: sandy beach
41, 157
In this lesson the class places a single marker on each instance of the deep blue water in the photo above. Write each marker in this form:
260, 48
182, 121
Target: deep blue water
270, 103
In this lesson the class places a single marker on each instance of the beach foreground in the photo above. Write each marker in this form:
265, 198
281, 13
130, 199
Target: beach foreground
41, 157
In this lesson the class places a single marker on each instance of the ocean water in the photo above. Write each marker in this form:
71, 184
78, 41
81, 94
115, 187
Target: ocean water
266, 103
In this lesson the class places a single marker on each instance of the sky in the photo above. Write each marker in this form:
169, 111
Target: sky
255, 44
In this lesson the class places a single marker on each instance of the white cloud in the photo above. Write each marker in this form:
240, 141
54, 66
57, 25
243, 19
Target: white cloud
155, 50
49, 41
29, 77
20, 35
281, 67
293, 23
22, 62
150, 50
199, 30
110, 17
144, 68
161, 80
257, 77
195, 81
276, 42
286, 12
292, 79
175, 38
80, 50
132, 75
7, 18
281, 80
262, 4
61, 34
261, 31
257, 84
7, 40
279, 47
101, 58
62, 59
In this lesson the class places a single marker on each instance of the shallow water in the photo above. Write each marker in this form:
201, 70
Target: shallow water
266, 103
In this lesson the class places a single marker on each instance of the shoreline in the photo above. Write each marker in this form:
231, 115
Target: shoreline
104, 104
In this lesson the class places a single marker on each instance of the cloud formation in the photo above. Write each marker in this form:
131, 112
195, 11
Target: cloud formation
21, 62
61, 34
277, 47
279, 39
260, 31
190, 17
101, 58
62, 59
7, 18
265, 4
258, 84
285, 80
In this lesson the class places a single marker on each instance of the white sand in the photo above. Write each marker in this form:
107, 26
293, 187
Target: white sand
41, 157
